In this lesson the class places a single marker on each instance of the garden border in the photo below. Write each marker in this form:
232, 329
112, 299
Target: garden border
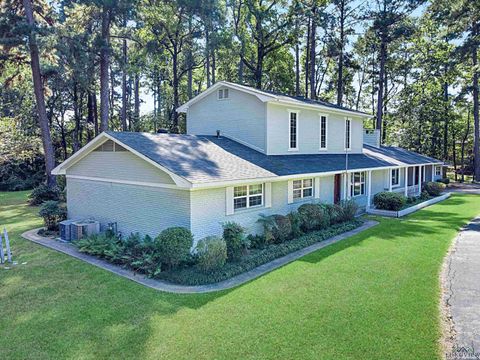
66, 248
409, 210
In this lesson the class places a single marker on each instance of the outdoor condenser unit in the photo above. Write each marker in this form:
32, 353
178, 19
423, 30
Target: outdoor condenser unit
65, 230
83, 228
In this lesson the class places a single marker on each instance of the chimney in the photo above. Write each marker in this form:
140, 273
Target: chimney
371, 137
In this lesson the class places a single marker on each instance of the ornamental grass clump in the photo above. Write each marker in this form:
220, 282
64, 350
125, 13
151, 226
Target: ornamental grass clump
211, 253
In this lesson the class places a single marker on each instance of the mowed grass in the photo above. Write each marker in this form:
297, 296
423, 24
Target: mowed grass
373, 296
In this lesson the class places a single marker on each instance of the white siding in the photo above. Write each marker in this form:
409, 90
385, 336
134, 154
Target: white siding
308, 141
147, 210
241, 117
121, 165
208, 208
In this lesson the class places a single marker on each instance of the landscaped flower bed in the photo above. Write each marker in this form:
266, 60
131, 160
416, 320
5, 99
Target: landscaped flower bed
169, 257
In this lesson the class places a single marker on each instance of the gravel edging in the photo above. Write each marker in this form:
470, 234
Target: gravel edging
160, 285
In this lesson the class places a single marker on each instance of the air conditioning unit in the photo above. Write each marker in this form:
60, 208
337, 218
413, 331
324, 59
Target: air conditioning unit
83, 228
65, 230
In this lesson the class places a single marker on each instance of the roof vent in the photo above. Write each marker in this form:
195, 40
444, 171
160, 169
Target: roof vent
218, 134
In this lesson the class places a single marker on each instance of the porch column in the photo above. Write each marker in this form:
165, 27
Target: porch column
406, 180
433, 173
345, 186
420, 179
369, 189
390, 180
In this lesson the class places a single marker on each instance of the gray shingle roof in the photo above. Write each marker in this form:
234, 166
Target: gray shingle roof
398, 155
204, 159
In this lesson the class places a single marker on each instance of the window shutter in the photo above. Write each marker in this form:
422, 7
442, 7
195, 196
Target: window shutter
229, 200
268, 195
317, 188
290, 191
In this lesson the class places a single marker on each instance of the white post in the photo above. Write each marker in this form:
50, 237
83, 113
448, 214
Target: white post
2, 255
369, 189
420, 179
406, 180
7, 245
390, 180
345, 186
433, 172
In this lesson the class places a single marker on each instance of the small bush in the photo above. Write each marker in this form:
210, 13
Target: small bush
52, 212
445, 181
234, 236
212, 253
424, 195
173, 245
296, 223
44, 193
98, 245
313, 217
434, 188
282, 229
347, 210
256, 241
389, 201
334, 213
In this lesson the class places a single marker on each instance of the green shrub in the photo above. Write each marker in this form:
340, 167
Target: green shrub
389, 201
98, 245
276, 228
333, 212
347, 209
296, 223
256, 241
44, 193
234, 236
212, 253
424, 195
446, 181
52, 213
313, 217
257, 257
173, 245
434, 188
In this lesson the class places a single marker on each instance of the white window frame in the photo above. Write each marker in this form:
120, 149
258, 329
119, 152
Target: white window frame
397, 177
223, 97
248, 196
349, 122
290, 112
438, 170
360, 183
302, 188
320, 132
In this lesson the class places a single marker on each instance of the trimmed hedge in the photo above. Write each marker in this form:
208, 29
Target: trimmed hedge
389, 201
256, 257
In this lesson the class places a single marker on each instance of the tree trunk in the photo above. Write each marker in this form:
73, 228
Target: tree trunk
381, 79
297, 69
214, 66
104, 69
207, 58
240, 64
95, 113
313, 36
136, 106
90, 116
307, 65
76, 118
39, 96
175, 84
476, 120
464, 140
445, 123
123, 115
340, 56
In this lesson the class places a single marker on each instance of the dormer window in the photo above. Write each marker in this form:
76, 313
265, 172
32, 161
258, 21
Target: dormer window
223, 94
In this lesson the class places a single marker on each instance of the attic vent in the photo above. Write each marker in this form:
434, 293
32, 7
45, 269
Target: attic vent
110, 146
223, 94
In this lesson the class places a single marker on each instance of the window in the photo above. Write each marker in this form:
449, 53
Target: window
247, 196
293, 131
347, 133
395, 177
357, 184
302, 189
438, 171
323, 132
222, 94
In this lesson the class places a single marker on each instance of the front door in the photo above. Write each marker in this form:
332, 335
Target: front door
337, 188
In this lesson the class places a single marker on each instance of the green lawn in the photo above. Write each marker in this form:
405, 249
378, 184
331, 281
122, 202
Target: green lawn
373, 296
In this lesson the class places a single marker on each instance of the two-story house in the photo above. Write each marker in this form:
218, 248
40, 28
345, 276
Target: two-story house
246, 152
